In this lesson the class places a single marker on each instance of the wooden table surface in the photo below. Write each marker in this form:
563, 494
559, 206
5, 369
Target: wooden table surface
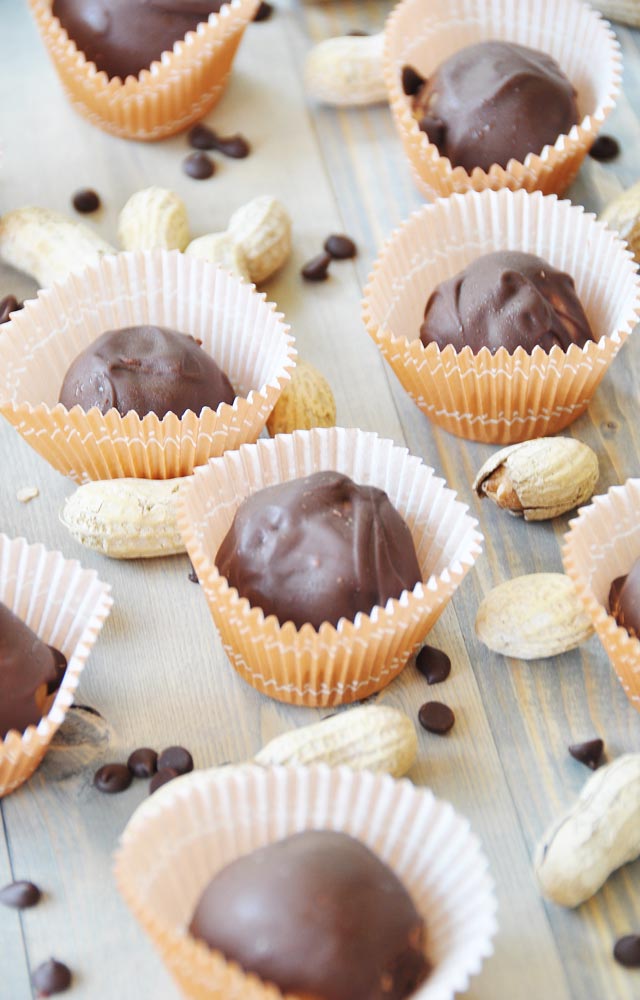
158, 674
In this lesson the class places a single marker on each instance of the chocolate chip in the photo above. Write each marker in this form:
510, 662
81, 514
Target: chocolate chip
433, 664
436, 717
8, 305
143, 762
627, 951
589, 752
317, 269
165, 775
60, 666
85, 200
177, 758
411, 80
51, 977
264, 11
20, 895
340, 247
193, 576
112, 778
235, 146
201, 137
605, 148
199, 166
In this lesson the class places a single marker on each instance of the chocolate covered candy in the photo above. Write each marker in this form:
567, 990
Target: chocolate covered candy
624, 600
28, 669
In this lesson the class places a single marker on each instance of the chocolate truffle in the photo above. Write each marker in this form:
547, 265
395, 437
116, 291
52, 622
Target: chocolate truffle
318, 549
493, 102
624, 600
147, 369
123, 37
27, 668
506, 299
319, 915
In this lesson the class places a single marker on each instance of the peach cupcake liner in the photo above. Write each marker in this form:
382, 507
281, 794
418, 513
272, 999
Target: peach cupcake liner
331, 665
190, 829
625, 11
500, 398
602, 543
173, 93
66, 606
236, 325
423, 35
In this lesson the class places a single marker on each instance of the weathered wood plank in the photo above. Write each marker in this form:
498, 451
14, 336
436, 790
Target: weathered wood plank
14, 970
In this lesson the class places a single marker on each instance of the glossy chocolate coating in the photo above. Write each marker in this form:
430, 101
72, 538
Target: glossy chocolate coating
624, 600
319, 915
27, 667
493, 102
506, 299
318, 549
123, 37
148, 369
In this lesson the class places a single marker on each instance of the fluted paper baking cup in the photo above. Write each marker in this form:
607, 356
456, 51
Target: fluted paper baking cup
236, 325
194, 826
625, 11
603, 543
500, 398
423, 34
66, 607
173, 93
330, 665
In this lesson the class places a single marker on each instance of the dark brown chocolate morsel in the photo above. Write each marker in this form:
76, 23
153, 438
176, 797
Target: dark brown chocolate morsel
123, 37
340, 247
27, 668
143, 762
161, 778
318, 549
199, 166
319, 915
176, 758
589, 753
626, 951
202, 137
412, 81
605, 148
506, 299
436, 717
148, 369
317, 269
433, 664
8, 305
20, 895
264, 11
112, 778
493, 102
624, 600
85, 201
60, 663
50, 978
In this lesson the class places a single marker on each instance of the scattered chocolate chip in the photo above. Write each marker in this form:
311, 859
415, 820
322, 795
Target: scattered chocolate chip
264, 11
605, 148
8, 305
411, 80
433, 664
358, 33
201, 137
112, 778
235, 146
143, 762
51, 977
162, 777
60, 668
199, 166
177, 758
340, 247
436, 717
627, 951
20, 895
193, 576
317, 269
589, 752
86, 201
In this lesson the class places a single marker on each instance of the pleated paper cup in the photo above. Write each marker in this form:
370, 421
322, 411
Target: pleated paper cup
603, 543
236, 325
194, 826
173, 93
330, 665
66, 606
423, 33
624, 11
500, 398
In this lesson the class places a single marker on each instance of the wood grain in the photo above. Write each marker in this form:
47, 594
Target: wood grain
158, 674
